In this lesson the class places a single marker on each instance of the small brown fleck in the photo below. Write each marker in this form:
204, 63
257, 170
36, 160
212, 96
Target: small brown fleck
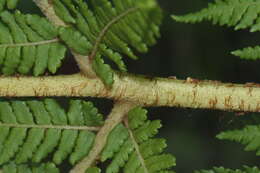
228, 102
213, 103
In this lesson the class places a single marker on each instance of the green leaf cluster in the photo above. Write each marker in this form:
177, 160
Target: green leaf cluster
241, 14
9, 4
41, 168
32, 130
245, 169
121, 151
249, 136
22, 47
130, 25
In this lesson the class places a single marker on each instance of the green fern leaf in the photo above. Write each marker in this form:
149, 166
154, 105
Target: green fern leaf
115, 140
250, 53
245, 169
9, 4
248, 136
121, 148
93, 170
31, 130
28, 43
75, 40
124, 25
120, 157
42, 168
104, 71
237, 13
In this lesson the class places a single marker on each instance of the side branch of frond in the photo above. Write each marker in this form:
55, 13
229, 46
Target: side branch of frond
188, 93
117, 114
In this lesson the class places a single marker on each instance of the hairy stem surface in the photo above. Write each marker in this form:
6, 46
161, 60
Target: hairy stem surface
116, 116
188, 93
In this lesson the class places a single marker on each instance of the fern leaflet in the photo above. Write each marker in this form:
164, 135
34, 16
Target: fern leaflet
42, 168
9, 4
28, 43
245, 169
248, 136
123, 24
250, 53
121, 149
237, 13
93, 170
31, 130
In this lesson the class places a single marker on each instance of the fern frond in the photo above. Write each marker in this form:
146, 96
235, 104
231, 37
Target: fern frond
123, 24
237, 13
115, 140
31, 130
93, 170
122, 148
28, 43
42, 168
249, 136
245, 169
250, 53
9, 4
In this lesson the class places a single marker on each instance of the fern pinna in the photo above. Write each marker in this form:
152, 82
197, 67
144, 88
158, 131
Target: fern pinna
46, 127
28, 44
9, 4
240, 14
108, 29
245, 169
31, 130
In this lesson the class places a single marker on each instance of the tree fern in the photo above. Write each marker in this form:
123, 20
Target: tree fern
245, 169
121, 147
31, 130
28, 43
123, 24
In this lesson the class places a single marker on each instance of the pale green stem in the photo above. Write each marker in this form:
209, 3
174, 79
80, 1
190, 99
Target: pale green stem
65, 127
188, 93
48, 10
116, 116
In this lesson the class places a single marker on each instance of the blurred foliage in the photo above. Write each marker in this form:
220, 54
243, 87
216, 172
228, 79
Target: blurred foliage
198, 51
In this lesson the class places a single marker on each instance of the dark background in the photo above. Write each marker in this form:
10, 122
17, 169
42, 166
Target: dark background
198, 51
